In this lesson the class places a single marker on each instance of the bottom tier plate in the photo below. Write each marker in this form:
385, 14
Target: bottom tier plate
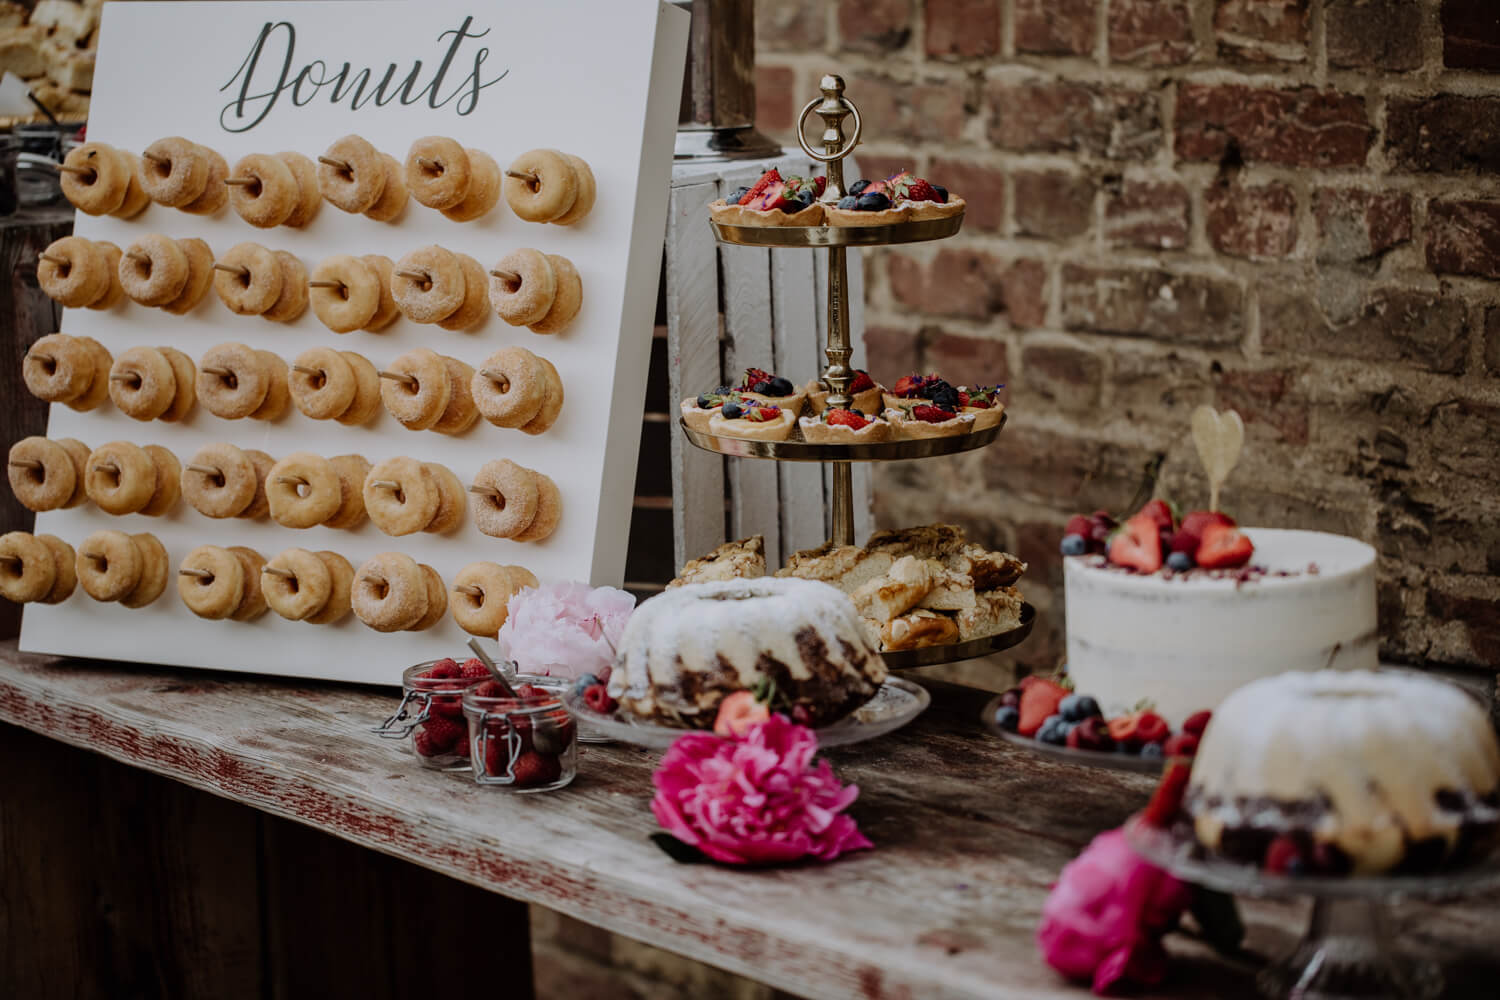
927, 656
896, 703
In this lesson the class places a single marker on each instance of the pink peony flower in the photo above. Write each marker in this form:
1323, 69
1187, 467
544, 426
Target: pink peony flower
1106, 915
755, 800
565, 629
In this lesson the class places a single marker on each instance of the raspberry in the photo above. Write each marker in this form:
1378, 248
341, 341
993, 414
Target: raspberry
450, 705
443, 669
598, 700
920, 190
443, 732
1166, 801
495, 757
534, 769
423, 744
474, 669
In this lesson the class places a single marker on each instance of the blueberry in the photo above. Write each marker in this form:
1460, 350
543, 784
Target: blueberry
732, 410
848, 202
858, 186
763, 387
1054, 730
586, 681
705, 401
873, 202
736, 195
1077, 707
778, 386
1152, 750
806, 198
1180, 562
1007, 718
1074, 545
942, 193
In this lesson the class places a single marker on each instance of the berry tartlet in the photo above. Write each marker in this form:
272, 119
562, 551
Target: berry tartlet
982, 402
927, 420
865, 393
752, 420
697, 409
899, 198
844, 426
761, 386
914, 388
772, 201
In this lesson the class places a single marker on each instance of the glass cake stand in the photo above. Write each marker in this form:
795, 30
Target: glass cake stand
896, 703
1348, 951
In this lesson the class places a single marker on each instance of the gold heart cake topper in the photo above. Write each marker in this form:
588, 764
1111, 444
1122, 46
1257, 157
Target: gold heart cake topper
1219, 437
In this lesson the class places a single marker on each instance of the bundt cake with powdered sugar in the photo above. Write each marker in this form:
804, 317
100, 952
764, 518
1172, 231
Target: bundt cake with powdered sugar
1347, 772
685, 650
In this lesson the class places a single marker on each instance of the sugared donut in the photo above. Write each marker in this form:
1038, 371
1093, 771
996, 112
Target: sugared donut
352, 470
74, 272
484, 188
337, 607
136, 198
108, 565
278, 397
219, 481
387, 311
552, 401
27, 568
437, 172
540, 185
168, 485
215, 192
253, 604
42, 474
510, 387
263, 190
233, 380
155, 571
584, 203
98, 391
461, 413
475, 308
120, 477
116, 292
95, 178
64, 560
392, 200
185, 384
567, 302
389, 592
297, 584
345, 292
548, 511
351, 174
321, 383
523, 287
173, 171
154, 270
200, 275
248, 279
400, 496
416, 389
292, 302
142, 383
260, 503
58, 368
211, 582
78, 454
309, 198
505, 498
437, 599
428, 284
366, 390
303, 490
451, 499
481, 593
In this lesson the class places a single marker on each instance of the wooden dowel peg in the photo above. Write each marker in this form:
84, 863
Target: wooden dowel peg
427, 164
529, 178
304, 369
374, 578
337, 164
326, 284
385, 484
52, 258
278, 571
77, 170
472, 591
10, 560
139, 257
124, 377
160, 160
401, 377
29, 464
421, 276
216, 371
292, 480
510, 276
97, 557
206, 470
109, 467
201, 574
231, 269
497, 377
485, 491
241, 181
46, 359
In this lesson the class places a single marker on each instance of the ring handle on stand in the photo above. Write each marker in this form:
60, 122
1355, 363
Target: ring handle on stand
849, 144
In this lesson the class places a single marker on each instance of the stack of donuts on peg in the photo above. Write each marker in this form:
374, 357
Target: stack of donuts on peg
348, 293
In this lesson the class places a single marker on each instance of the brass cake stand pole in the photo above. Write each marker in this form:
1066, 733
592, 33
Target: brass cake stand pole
833, 108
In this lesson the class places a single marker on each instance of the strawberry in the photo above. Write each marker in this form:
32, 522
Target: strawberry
929, 414
775, 196
1166, 801
597, 698
920, 190
1181, 745
862, 382
1138, 544
753, 377
772, 176
1039, 701
1224, 547
909, 386
737, 713
474, 669
1079, 524
846, 418
534, 769
1283, 856
443, 732
1160, 511
443, 669
1194, 524
1197, 722
1139, 728
760, 414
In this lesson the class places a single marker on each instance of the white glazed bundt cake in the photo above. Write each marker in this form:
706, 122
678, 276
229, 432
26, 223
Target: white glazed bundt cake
1337, 772
686, 649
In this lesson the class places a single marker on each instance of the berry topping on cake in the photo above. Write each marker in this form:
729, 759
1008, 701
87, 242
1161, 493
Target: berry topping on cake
1197, 722
858, 186
733, 409
920, 190
772, 176
1166, 801
1138, 545
777, 386
1040, 699
1180, 745
872, 201
1161, 512
1224, 547
717, 398
930, 414
846, 417
848, 203
1180, 562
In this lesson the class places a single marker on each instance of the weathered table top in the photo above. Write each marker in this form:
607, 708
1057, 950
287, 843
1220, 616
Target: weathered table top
969, 834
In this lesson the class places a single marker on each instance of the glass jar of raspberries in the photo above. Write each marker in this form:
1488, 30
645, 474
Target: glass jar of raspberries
527, 743
431, 712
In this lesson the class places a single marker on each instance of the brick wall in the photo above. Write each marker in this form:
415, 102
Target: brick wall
1289, 207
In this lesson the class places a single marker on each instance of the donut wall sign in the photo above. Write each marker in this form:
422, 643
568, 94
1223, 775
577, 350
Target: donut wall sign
357, 319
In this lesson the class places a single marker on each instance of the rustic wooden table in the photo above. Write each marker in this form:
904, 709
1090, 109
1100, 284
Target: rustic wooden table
970, 833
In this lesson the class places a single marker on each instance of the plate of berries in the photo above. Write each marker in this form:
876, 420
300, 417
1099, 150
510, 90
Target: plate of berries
1049, 718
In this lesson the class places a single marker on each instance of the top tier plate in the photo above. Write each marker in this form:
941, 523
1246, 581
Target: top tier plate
837, 236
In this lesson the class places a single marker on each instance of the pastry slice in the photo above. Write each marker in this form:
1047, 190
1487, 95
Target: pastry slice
752, 420
772, 201
927, 420
993, 611
951, 590
988, 570
844, 427
919, 628
736, 560
847, 567
905, 584
866, 394
929, 541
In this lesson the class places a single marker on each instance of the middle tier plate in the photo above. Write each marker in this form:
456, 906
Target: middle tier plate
879, 451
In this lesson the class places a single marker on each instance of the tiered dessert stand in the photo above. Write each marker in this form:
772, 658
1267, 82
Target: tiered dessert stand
833, 108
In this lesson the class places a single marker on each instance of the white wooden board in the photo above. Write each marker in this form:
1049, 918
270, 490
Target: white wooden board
598, 80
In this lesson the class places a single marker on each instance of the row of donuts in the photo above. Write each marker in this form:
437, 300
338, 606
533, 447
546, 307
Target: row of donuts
422, 389
390, 592
400, 495
286, 189
431, 284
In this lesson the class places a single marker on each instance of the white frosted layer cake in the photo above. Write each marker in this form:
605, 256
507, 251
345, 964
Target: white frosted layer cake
1184, 641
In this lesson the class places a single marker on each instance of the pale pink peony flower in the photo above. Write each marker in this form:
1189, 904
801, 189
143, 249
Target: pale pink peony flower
1106, 915
755, 800
565, 629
